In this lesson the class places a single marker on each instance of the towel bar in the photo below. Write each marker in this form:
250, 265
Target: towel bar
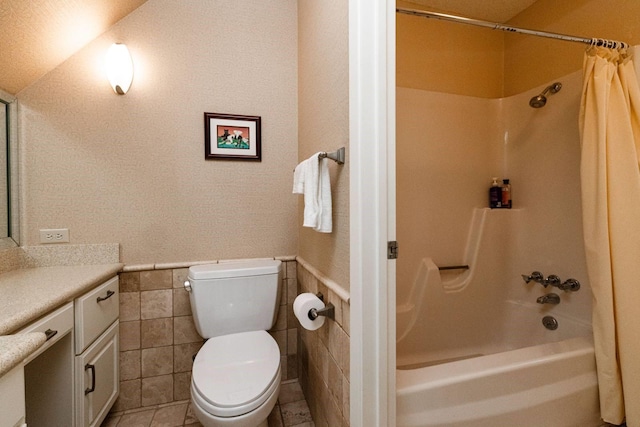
337, 156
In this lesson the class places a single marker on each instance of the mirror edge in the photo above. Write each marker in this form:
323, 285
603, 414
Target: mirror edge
13, 164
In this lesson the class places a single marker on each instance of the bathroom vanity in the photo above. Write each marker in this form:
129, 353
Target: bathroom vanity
58, 345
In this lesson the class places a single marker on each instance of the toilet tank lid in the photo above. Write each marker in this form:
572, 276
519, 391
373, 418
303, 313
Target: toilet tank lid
223, 270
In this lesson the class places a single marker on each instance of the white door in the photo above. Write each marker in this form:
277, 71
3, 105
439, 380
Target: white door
372, 207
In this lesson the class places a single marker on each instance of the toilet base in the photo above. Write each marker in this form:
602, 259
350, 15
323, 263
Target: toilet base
255, 418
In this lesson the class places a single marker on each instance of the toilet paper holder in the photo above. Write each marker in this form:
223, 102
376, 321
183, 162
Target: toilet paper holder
328, 311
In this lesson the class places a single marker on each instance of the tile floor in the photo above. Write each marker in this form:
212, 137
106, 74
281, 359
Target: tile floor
290, 411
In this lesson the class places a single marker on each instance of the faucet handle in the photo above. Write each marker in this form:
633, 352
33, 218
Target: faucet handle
552, 280
570, 285
536, 276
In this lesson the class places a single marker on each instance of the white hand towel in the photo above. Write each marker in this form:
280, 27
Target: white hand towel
311, 178
298, 178
305, 181
325, 223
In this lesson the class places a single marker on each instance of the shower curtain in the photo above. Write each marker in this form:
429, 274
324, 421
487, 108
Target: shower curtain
610, 175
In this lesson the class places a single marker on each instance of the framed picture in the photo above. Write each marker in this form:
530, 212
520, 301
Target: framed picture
231, 137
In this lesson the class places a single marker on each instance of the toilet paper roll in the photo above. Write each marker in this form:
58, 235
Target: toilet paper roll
301, 306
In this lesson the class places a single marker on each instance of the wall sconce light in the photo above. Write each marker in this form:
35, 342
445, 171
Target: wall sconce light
119, 68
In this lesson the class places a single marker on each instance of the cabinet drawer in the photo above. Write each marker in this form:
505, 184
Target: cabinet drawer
55, 325
95, 311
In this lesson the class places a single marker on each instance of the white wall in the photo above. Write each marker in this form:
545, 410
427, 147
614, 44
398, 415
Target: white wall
131, 169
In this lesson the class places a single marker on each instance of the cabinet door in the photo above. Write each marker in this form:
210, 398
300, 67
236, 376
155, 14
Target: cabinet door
97, 380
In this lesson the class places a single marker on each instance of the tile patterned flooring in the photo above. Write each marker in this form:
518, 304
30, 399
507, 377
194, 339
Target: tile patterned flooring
290, 411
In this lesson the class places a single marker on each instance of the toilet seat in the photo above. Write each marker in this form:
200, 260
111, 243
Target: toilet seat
235, 374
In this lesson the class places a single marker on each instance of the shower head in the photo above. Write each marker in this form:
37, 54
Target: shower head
539, 101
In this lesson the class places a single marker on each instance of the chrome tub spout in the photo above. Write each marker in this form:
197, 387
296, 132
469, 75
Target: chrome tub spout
549, 299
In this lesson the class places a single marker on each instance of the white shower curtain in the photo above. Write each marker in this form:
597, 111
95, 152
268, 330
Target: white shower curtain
610, 173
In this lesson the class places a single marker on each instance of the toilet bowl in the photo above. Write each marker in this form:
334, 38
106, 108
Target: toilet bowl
236, 380
236, 375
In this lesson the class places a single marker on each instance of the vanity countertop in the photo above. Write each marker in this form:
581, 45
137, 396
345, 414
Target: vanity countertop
30, 293
15, 348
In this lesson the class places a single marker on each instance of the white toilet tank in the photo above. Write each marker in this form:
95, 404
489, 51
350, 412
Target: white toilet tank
233, 297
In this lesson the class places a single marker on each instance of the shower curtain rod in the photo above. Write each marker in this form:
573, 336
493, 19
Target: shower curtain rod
611, 44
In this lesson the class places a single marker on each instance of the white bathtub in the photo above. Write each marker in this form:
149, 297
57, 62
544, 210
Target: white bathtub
525, 376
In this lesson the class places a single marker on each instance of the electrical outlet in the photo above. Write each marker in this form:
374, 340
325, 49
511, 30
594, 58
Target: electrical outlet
54, 235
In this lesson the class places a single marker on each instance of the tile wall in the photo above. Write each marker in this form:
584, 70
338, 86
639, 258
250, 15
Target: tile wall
158, 337
324, 357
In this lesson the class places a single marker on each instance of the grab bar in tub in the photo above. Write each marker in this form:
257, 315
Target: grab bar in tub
454, 267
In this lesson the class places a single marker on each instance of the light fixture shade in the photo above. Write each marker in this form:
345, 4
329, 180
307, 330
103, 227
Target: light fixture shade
119, 68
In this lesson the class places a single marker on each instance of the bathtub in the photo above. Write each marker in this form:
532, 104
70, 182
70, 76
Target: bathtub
524, 376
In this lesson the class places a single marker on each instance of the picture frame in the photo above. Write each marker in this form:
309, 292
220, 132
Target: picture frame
232, 137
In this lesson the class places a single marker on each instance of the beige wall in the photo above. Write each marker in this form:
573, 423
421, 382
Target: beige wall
447, 57
323, 115
35, 38
459, 59
531, 61
323, 125
131, 169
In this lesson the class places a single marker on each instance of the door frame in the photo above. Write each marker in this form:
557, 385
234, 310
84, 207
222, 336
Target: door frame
372, 211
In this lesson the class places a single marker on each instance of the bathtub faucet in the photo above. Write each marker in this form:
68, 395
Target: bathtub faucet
570, 285
552, 280
549, 299
536, 276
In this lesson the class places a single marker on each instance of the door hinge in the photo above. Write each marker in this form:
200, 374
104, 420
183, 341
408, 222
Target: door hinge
392, 250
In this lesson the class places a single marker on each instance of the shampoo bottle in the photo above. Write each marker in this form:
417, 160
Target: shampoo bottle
506, 194
495, 195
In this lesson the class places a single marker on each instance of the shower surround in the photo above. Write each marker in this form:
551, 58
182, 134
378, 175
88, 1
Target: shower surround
448, 148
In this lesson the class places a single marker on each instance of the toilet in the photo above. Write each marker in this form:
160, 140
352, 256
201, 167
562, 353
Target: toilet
235, 378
